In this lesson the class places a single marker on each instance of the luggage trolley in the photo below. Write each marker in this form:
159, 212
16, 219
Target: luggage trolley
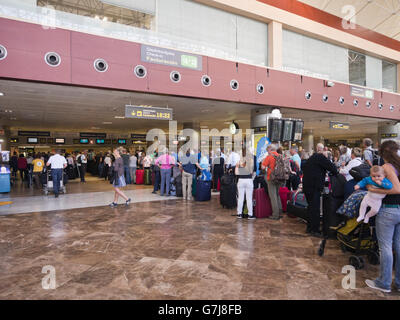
48, 182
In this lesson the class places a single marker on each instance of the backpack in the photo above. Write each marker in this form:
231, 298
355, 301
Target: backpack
376, 159
78, 159
280, 174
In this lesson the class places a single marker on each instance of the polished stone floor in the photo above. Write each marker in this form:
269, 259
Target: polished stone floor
169, 249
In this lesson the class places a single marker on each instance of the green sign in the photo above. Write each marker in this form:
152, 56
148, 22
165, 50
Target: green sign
189, 61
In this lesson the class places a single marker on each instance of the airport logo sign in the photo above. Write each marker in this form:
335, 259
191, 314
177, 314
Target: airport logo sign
362, 92
170, 57
140, 112
339, 125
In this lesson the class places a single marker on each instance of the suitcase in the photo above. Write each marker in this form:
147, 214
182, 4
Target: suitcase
178, 186
172, 189
203, 190
140, 176
147, 177
228, 194
295, 211
284, 196
262, 204
219, 185
194, 185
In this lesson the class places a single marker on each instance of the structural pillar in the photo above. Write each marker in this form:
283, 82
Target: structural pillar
5, 138
275, 40
398, 77
308, 141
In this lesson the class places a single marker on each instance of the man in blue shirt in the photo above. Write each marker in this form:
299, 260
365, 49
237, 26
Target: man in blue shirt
189, 164
295, 157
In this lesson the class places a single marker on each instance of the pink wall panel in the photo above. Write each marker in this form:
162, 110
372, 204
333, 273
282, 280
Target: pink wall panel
27, 44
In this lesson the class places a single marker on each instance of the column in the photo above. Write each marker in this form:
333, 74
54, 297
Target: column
308, 141
5, 138
398, 77
275, 39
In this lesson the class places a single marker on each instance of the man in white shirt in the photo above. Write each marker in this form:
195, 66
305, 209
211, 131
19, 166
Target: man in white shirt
82, 164
354, 162
233, 159
58, 163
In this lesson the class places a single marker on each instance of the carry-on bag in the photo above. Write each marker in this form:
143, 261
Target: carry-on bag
284, 193
140, 176
147, 177
203, 191
262, 204
228, 194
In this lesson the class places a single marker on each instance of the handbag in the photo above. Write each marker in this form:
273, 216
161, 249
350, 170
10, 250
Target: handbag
360, 172
113, 176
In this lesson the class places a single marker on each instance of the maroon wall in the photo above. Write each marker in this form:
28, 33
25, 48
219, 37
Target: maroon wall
28, 43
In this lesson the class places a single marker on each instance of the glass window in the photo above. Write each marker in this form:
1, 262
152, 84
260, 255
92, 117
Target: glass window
104, 11
389, 76
357, 68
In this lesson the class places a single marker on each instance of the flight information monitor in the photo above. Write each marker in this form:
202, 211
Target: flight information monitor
298, 131
287, 130
275, 130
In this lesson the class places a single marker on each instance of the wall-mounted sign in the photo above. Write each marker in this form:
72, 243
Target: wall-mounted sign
34, 133
121, 141
389, 135
84, 141
60, 140
140, 112
14, 140
92, 135
170, 57
260, 129
33, 140
361, 92
100, 141
339, 125
137, 136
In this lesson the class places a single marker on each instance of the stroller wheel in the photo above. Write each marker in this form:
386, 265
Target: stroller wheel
356, 262
343, 248
373, 258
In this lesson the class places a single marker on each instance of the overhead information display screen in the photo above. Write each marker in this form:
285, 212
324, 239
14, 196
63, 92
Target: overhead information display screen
139, 112
275, 130
298, 131
287, 130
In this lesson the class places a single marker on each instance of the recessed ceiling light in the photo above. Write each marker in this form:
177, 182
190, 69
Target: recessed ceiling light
106, 122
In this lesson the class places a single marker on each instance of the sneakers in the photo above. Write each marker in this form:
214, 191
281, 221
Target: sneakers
240, 216
113, 204
251, 218
128, 202
373, 285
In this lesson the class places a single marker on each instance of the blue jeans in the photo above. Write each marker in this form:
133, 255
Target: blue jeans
57, 175
127, 175
388, 233
157, 180
165, 180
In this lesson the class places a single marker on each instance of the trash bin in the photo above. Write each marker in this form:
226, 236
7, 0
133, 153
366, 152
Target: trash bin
5, 181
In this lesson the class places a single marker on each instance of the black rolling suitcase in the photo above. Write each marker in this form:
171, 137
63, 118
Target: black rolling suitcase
228, 193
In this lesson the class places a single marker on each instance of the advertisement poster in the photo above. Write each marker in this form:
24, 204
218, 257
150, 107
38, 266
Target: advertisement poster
260, 146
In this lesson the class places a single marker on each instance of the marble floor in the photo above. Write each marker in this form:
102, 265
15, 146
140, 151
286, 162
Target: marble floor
169, 249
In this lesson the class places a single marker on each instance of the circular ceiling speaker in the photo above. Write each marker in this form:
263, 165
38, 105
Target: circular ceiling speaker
341, 100
380, 106
175, 76
52, 59
391, 108
368, 104
140, 71
355, 102
100, 65
260, 88
3, 52
325, 98
234, 85
206, 80
308, 95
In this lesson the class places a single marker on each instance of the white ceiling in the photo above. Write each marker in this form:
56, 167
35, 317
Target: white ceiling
382, 16
39, 106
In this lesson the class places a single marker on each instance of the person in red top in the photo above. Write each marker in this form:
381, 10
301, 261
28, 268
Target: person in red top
273, 189
22, 166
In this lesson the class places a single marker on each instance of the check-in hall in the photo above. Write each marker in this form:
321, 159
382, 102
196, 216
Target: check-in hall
93, 99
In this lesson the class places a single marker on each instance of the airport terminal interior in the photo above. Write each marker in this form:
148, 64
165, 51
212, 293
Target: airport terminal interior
171, 248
